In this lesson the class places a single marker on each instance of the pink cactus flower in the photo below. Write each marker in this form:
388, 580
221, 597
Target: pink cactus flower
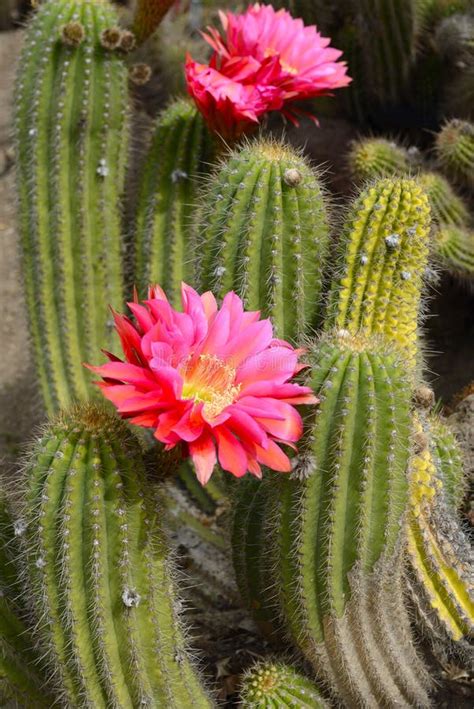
213, 380
265, 61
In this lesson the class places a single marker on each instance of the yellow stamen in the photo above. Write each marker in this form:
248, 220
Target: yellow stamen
210, 380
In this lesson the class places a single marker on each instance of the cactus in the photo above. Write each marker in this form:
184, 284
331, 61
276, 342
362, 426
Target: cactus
441, 558
180, 151
374, 158
455, 151
21, 678
390, 28
264, 233
99, 571
385, 250
71, 148
274, 685
455, 249
328, 538
448, 461
148, 15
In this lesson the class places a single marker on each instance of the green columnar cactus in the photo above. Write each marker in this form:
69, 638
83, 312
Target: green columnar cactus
273, 685
455, 150
441, 557
71, 148
455, 248
99, 570
390, 28
385, 251
263, 232
180, 151
21, 678
330, 538
446, 207
374, 158
448, 460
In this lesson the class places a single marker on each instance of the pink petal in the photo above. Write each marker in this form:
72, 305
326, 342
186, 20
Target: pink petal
232, 456
203, 453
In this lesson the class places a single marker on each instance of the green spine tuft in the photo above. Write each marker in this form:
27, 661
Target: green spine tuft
99, 569
385, 242
455, 150
272, 685
263, 233
328, 537
181, 151
375, 158
71, 131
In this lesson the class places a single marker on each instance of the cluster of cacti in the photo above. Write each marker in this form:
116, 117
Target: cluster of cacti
453, 235
403, 54
324, 555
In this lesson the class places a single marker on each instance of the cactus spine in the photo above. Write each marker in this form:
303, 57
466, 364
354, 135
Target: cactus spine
181, 150
455, 150
21, 677
440, 555
99, 571
273, 685
385, 241
332, 530
71, 147
264, 234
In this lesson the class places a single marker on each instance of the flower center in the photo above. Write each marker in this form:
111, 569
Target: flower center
270, 52
209, 380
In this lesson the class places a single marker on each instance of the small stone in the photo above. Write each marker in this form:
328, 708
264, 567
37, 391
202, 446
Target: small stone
102, 170
364, 259
131, 598
405, 275
292, 177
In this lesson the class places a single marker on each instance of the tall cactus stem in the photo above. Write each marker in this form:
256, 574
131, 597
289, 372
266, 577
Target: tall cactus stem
385, 252
71, 148
99, 569
181, 151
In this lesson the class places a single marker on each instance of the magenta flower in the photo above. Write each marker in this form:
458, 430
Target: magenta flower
213, 380
265, 61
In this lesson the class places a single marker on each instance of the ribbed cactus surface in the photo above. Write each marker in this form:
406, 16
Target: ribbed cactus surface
374, 158
99, 570
263, 232
324, 543
455, 150
71, 148
384, 255
181, 151
22, 680
440, 554
273, 685
448, 460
